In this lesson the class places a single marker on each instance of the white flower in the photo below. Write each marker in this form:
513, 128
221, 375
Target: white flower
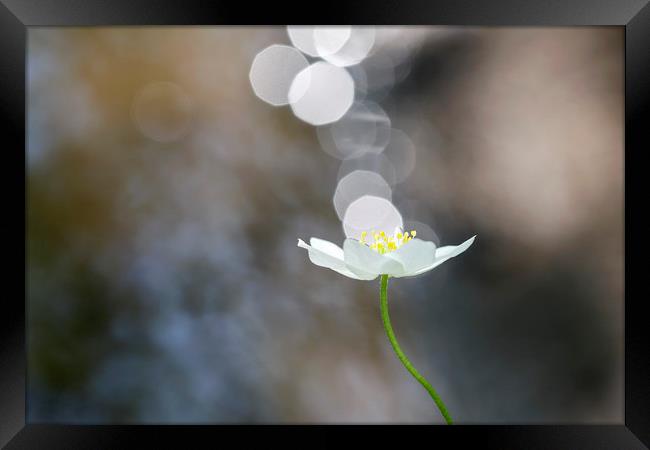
401, 255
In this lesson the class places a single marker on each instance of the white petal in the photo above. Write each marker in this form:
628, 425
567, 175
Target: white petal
367, 263
325, 254
415, 255
445, 253
327, 247
453, 250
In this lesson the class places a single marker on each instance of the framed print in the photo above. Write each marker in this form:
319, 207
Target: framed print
414, 214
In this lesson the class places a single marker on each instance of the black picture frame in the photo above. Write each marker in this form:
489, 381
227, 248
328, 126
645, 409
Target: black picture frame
17, 15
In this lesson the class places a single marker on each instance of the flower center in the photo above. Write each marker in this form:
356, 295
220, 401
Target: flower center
382, 243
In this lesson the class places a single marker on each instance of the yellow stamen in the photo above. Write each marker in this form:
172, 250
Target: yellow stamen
384, 243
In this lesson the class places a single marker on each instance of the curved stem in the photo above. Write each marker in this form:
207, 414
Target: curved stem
383, 296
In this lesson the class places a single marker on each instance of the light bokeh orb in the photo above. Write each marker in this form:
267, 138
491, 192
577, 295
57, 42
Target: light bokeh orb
355, 49
273, 71
357, 184
330, 39
322, 41
371, 162
321, 94
400, 151
365, 128
162, 111
302, 37
370, 213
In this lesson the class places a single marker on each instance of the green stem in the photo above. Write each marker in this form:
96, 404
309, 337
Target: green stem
400, 354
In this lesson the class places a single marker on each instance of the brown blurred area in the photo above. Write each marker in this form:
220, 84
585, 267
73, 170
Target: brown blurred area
165, 201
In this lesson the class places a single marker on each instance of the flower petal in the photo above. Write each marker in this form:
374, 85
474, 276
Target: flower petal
415, 255
367, 263
327, 254
445, 253
327, 247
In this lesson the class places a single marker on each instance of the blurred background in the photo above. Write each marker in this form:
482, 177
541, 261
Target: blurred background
168, 185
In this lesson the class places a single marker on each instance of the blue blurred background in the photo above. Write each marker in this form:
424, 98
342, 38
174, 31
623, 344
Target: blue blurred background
165, 201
